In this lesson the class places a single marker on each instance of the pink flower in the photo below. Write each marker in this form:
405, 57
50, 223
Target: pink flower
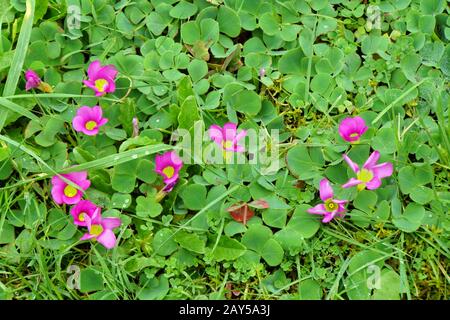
89, 120
331, 207
101, 79
168, 166
351, 129
371, 173
65, 193
227, 137
33, 80
82, 211
100, 229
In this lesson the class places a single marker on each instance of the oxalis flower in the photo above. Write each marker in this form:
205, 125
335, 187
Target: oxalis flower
89, 120
351, 129
371, 173
168, 165
330, 207
33, 80
65, 193
83, 211
100, 229
101, 78
227, 137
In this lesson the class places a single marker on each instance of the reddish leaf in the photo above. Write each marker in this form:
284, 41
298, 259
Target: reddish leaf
259, 204
241, 213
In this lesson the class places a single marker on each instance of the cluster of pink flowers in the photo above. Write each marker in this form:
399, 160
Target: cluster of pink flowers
84, 212
369, 176
101, 79
88, 121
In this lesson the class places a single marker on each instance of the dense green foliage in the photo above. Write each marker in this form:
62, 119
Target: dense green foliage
297, 66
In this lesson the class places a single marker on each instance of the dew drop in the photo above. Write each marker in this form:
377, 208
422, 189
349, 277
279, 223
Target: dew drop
134, 156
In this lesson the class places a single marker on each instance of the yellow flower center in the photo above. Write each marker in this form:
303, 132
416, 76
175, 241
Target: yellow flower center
90, 125
169, 171
101, 84
330, 206
227, 144
354, 135
70, 191
365, 175
96, 229
81, 216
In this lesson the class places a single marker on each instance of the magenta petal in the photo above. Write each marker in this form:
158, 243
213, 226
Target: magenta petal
87, 236
318, 209
352, 165
328, 217
108, 71
229, 131
107, 239
372, 160
383, 170
111, 223
351, 183
72, 200
57, 192
325, 190
78, 123
215, 133
93, 70
375, 183
240, 135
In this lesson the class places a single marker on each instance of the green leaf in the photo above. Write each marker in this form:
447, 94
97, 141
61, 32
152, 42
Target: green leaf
183, 10
194, 196
229, 22
163, 242
310, 289
301, 164
90, 280
156, 289
246, 101
365, 201
389, 288
197, 69
432, 7
304, 223
268, 22
411, 219
256, 237
228, 249
190, 241
384, 141
290, 62
148, 207
272, 252
188, 113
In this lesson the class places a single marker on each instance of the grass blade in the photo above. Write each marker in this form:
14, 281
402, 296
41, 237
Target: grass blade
19, 56
14, 107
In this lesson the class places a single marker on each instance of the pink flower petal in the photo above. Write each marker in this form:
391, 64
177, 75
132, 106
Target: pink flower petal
87, 236
375, 183
351, 183
352, 165
383, 170
78, 123
328, 217
372, 160
229, 131
111, 223
318, 209
93, 69
215, 133
325, 190
107, 239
